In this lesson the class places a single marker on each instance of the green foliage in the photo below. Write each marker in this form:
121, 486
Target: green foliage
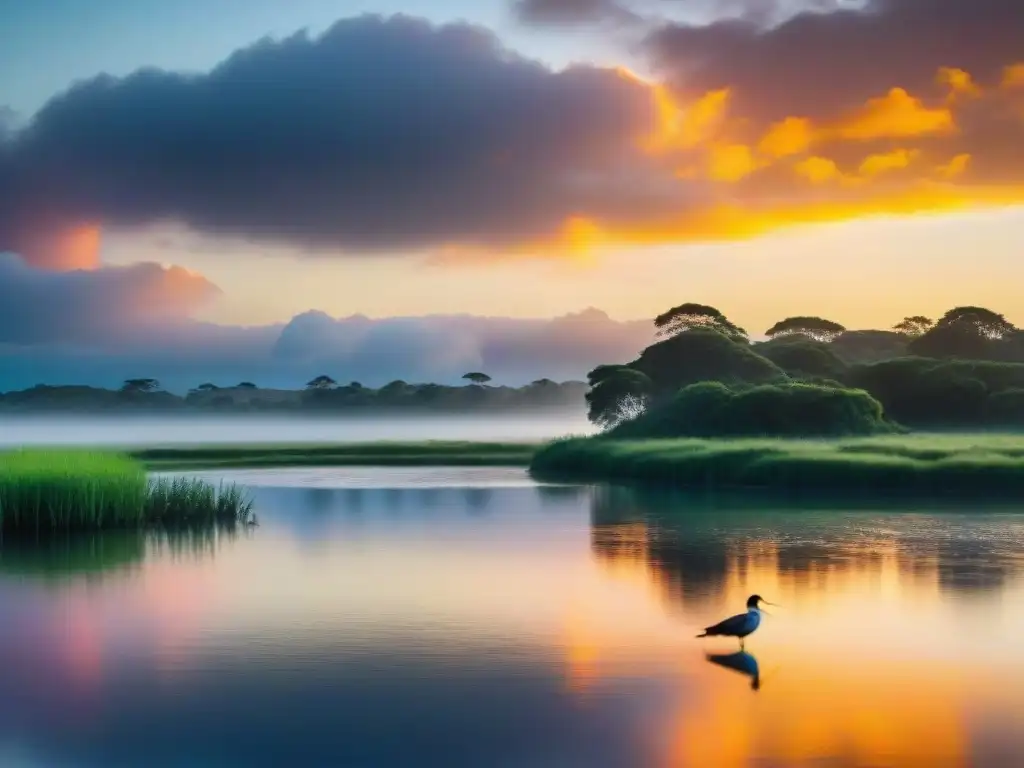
476, 377
929, 466
617, 395
774, 410
928, 393
803, 358
43, 490
961, 338
868, 346
818, 328
690, 316
703, 355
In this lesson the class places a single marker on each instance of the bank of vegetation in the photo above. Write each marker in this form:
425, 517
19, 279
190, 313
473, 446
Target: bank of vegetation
44, 491
705, 406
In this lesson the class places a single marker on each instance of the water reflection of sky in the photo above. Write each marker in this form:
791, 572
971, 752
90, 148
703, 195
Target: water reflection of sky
510, 626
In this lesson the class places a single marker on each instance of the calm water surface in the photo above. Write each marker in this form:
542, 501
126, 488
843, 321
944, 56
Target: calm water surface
402, 618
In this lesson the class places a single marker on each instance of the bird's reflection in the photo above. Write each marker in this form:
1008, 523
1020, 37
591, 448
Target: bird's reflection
742, 662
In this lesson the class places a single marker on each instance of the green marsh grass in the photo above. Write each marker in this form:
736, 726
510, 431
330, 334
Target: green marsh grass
976, 465
53, 490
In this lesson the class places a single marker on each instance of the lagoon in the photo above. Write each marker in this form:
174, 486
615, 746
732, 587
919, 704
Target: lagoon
469, 617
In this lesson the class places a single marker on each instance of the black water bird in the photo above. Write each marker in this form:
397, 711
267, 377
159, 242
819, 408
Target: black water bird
742, 624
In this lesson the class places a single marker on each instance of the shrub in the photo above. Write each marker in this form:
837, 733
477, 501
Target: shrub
780, 410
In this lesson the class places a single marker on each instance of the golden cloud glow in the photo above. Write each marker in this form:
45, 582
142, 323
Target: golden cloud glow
818, 170
685, 127
792, 136
1013, 76
959, 82
955, 167
896, 115
731, 162
890, 161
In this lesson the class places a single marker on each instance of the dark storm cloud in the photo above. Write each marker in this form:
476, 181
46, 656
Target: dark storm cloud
379, 134
571, 12
818, 63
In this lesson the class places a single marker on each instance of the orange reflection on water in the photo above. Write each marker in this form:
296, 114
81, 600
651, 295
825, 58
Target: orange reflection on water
865, 663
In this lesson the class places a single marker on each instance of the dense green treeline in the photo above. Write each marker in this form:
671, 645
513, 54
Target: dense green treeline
813, 377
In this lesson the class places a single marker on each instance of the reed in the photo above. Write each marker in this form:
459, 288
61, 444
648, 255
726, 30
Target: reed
54, 490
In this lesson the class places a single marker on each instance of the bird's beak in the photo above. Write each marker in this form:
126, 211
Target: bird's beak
774, 605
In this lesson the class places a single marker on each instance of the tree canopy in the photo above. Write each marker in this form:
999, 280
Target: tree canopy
818, 328
618, 397
476, 377
140, 385
321, 382
689, 316
990, 324
914, 326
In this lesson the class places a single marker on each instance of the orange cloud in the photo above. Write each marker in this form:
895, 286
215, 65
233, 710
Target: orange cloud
731, 162
681, 127
1013, 76
818, 169
792, 136
955, 167
890, 161
59, 246
896, 115
959, 82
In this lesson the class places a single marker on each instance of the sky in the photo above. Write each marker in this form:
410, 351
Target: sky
194, 190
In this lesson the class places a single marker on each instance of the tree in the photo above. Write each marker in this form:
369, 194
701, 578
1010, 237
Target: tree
914, 326
702, 354
475, 377
207, 387
802, 357
321, 382
618, 397
961, 337
818, 328
246, 385
991, 325
688, 316
140, 385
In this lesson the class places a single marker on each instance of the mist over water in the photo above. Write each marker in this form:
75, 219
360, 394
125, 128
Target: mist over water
218, 429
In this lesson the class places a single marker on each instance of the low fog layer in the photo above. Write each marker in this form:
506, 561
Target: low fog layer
151, 431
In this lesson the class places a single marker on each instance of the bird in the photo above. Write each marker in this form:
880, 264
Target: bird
742, 624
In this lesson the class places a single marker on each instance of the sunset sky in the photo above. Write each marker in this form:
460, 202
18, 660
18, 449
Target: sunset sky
184, 182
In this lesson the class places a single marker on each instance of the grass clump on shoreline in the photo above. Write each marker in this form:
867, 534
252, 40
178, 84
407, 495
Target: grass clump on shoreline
917, 465
48, 490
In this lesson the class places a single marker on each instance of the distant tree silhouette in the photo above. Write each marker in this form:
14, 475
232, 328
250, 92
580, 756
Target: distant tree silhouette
914, 326
818, 328
688, 316
962, 337
476, 377
140, 385
246, 385
207, 387
321, 382
990, 324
